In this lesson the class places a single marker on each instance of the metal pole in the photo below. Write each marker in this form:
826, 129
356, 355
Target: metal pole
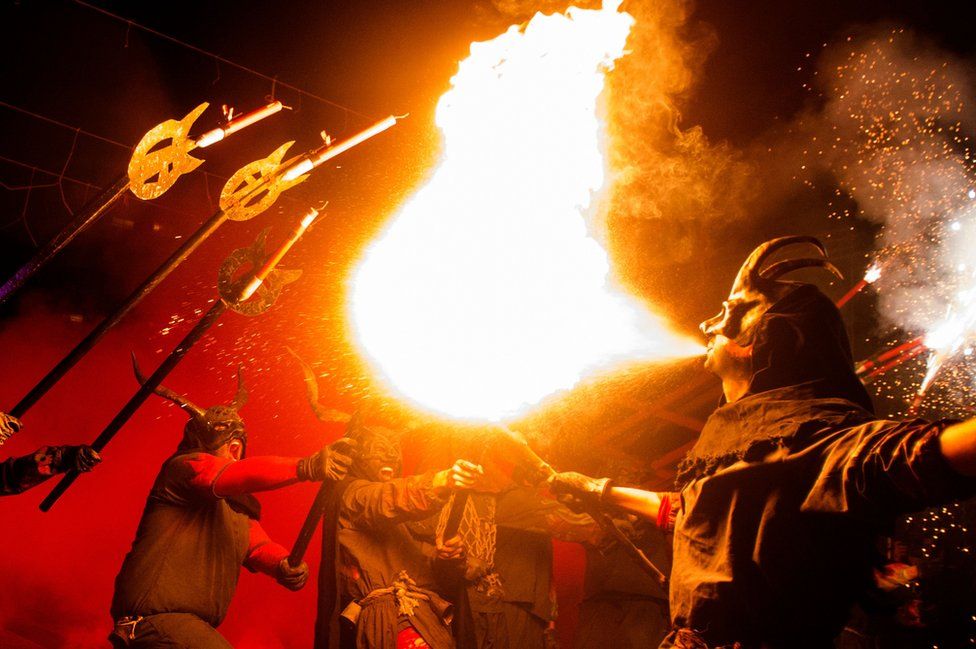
88, 215
96, 334
140, 396
315, 513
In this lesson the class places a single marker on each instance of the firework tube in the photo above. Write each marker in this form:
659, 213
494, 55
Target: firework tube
916, 345
262, 274
238, 123
313, 159
895, 363
177, 258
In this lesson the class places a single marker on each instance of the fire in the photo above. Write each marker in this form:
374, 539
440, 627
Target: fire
486, 292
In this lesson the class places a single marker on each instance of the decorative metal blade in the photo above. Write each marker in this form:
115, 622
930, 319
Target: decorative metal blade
154, 169
229, 279
256, 186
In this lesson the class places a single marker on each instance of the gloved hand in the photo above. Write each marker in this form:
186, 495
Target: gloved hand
578, 491
331, 463
75, 458
8, 426
292, 578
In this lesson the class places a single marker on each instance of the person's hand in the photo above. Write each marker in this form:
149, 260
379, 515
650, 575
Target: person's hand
578, 491
76, 458
292, 578
330, 463
450, 549
8, 426
465, 476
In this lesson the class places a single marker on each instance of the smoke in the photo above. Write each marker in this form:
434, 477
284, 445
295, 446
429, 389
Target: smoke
664, 170
892, 132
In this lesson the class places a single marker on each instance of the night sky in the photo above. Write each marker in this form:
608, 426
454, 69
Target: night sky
752, 82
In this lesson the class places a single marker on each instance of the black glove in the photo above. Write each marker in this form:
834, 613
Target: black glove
578, 491
292, 578
75, 458
8, 426
331, 463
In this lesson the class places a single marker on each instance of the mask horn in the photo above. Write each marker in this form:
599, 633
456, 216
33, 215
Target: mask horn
312, 392
750, 277
781, 268
184, 403
241, 397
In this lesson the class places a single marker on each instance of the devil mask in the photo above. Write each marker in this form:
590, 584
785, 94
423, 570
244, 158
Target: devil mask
796, 333
208, 429
379, 458
756, 290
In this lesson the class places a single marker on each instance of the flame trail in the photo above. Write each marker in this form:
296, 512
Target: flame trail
486, 293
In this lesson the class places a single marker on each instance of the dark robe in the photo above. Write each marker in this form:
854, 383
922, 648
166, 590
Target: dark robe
786, 489
517, 619
378, 549
187, 553
526, 523
782, 498
623, 606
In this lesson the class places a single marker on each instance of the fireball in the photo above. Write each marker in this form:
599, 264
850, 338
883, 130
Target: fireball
486, 292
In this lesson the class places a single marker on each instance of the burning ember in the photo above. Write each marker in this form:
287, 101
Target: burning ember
486, 292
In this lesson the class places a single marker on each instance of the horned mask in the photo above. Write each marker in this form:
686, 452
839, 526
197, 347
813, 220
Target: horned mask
208, 429
757, 289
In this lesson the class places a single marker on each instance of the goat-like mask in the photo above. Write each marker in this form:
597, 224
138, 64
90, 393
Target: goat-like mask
209, 428
757, 289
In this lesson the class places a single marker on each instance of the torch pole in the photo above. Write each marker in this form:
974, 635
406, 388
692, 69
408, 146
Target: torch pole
88, 215
456, 514
320, 504
139, 397
315, 513
167, 366
144, 289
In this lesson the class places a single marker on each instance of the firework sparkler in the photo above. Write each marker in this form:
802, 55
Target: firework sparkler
870, 277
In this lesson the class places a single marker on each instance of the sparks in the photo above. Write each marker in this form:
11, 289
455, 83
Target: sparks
486, 292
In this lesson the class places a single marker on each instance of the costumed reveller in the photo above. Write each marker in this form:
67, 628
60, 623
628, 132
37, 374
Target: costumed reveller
623, 606
201, 525
18, 474
793, 475
511, 599
385, 571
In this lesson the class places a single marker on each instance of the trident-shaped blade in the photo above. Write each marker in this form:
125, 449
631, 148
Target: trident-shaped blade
228, 278
256, 186
154, 169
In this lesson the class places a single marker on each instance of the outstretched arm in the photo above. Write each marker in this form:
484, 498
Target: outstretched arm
222, 477
646, 504
651, 505
18, 474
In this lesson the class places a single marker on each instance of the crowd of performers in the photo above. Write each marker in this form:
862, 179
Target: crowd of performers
767, 541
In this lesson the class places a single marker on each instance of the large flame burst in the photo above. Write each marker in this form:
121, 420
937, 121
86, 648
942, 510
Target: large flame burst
486, 293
